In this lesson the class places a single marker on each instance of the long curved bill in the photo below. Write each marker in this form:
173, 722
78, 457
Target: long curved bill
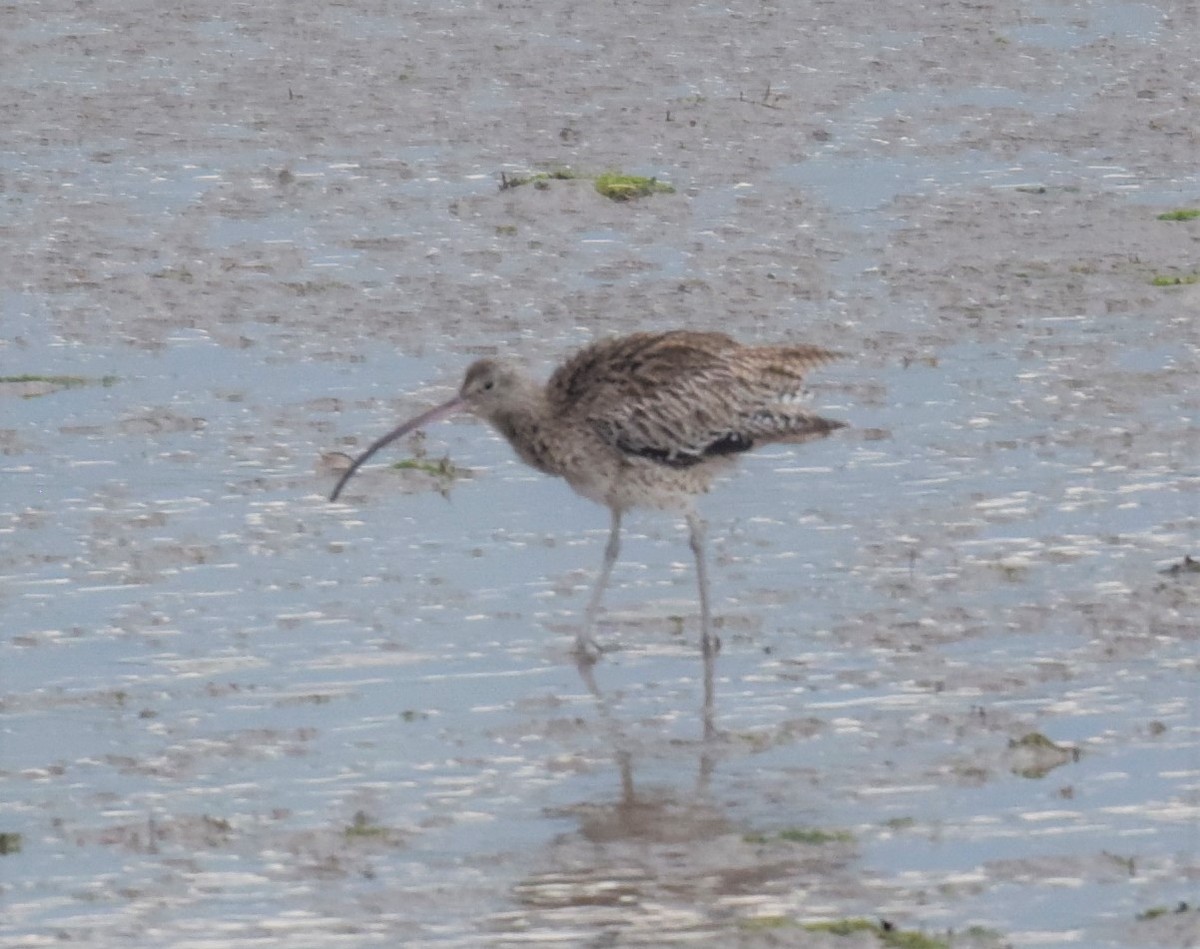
426, 418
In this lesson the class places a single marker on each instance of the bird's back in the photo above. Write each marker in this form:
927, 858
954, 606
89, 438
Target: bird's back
682, 397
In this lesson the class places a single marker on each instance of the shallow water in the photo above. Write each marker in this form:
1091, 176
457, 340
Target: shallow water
208, 672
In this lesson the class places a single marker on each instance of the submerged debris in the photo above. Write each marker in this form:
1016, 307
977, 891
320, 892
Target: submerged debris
364, 827
1034, 755
802, 835
1156, 911
885, 932
1188, 564
540, 179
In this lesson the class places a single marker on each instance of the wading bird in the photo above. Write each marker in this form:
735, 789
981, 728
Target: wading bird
646, 420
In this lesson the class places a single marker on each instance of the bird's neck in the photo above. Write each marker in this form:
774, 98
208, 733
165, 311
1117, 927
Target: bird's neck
525, 424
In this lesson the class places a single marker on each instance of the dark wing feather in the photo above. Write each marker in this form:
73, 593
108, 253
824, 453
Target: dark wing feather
729, 444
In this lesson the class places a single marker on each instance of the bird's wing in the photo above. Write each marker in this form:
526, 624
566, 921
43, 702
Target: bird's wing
682, 397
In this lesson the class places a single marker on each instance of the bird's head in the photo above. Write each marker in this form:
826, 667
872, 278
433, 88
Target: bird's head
492, 386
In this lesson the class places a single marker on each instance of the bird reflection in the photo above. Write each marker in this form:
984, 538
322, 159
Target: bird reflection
634, 808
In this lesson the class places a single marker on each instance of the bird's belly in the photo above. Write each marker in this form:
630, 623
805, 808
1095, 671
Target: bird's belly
637, 482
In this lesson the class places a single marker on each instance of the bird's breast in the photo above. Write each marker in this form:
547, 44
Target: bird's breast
533, 441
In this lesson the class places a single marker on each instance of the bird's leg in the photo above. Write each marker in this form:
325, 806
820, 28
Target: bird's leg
709, 644
585, 645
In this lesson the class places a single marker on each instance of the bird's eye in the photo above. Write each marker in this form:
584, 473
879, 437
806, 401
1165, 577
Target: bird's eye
489, 384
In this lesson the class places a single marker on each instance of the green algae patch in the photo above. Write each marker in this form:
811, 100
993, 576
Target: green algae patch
9, 843
764, 923
843, 927
621, 187
1174, 280
814, 835
32, 385
1182, 214
910, 939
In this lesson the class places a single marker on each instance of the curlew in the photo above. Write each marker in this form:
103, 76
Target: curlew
647, 420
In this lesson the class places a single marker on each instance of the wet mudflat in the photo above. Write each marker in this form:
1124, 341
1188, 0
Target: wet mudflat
958, 689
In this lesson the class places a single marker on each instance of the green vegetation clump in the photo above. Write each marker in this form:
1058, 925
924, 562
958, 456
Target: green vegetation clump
9, 843
364, 827
621, 187
1182, 214
615, 185
442, 468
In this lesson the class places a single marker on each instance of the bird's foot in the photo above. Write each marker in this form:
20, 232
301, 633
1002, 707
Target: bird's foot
587, 651
710, 644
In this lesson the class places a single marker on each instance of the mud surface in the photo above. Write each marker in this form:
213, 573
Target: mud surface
958, 691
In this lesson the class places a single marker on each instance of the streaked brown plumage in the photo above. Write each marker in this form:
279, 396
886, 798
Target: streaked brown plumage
646, 420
